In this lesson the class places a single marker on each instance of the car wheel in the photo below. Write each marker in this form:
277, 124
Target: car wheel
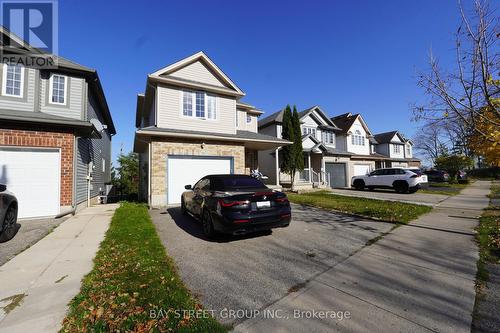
208, 226
401, 187
183, 207
9, 227
359, 184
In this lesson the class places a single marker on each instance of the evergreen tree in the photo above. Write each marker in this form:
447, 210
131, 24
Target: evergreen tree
287, 133
297, 142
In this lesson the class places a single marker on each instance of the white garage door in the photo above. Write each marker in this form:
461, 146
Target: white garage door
183, 171
33, 175
361, 169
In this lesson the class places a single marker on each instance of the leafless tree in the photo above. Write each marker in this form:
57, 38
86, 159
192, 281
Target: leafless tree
460, 95
428, 142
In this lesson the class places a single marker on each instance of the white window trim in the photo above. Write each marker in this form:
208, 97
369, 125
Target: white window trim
51, 89
193, 104
396, 149
4, 82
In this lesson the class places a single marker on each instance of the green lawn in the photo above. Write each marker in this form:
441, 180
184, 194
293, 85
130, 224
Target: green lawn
488, 235
132, 278
443, 188
385, 210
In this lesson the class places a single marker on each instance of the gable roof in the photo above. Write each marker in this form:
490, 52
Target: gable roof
204, 59
346, 120
63, 64
277, 117
386, 137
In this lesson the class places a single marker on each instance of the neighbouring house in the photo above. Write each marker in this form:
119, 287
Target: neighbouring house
325, 157
55, 134
398, 150
191, 123
335, 150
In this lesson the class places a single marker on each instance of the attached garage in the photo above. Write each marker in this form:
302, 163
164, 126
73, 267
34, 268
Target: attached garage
33, 175
337, 174
361, 169
187, 170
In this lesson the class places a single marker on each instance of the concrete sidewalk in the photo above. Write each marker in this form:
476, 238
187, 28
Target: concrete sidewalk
419, 278
37, 284
412, 198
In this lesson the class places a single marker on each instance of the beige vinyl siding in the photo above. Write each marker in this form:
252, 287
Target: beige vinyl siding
242, 122
74, 104
198, 72
169, 113
27, 102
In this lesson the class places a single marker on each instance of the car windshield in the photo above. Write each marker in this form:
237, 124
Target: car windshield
234, 183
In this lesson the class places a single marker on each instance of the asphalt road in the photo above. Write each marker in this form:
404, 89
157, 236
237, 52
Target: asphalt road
252, 272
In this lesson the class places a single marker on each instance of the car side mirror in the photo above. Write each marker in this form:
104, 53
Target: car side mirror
188, 187
3, 187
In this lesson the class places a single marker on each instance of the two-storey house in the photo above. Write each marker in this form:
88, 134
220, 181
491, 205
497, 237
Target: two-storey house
55, 134
190, 123
325, 156
398, 150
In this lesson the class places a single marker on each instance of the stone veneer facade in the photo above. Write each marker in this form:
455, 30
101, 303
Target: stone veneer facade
161, 148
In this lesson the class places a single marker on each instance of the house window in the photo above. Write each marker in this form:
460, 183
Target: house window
408, 151
200, 104
103, 165
249, 119
205, 106
358, 139
13, 80
328, 137
396, 149
57, 89
211, 113
187, 103
309, 130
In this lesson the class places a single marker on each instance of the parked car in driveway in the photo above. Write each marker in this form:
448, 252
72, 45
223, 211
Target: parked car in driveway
399, 179
8, 214
437, 175
235, 204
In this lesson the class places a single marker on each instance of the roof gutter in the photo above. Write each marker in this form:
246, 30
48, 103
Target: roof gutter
202, 136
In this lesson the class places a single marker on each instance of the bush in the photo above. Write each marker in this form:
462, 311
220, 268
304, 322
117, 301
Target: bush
493, 172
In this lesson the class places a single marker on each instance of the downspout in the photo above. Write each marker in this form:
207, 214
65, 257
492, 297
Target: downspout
150, 154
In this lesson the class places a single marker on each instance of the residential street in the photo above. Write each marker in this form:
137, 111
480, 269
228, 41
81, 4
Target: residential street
415, 198
38, 284
418, 278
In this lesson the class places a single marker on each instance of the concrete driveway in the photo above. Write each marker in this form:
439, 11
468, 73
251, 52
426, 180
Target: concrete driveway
415, 198
255, 271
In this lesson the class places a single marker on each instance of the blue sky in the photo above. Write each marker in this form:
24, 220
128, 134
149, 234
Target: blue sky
346, 56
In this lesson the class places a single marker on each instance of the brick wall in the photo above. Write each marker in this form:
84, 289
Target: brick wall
38, 138
163, 147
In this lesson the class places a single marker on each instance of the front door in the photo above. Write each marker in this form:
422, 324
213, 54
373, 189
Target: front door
337, 174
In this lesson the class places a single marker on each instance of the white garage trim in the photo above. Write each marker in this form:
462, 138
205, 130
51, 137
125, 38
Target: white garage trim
35, 178
196, 177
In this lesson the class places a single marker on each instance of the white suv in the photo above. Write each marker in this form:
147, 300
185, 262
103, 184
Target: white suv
402, 180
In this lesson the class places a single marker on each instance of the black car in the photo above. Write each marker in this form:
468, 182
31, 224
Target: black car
437, 175
235, 204
8, 215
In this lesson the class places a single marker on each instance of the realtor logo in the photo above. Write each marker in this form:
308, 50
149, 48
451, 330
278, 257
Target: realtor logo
34, 23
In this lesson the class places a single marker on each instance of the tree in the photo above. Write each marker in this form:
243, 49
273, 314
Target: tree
127, 177
453, 163
460, 97
286, 158
298, 151
428, 142
490, 149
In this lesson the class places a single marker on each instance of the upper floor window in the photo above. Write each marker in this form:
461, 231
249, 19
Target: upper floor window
249, 119
408, 150
58, 89
328, 137
309, 130
13, 77
396, 149
204, 105
357, 138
